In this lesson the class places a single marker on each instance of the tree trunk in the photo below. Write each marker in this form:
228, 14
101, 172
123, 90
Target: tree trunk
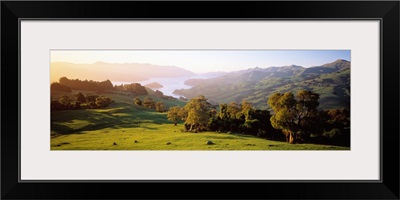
292, 139
191, 127
175, 123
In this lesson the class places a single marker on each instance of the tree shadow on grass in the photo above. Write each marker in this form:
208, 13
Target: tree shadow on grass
77, 121
150, 128
227, 137
65, 130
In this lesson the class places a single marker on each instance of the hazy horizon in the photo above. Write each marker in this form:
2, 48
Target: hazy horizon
203, 61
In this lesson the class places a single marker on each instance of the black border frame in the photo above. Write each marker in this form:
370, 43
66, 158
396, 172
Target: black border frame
386, 11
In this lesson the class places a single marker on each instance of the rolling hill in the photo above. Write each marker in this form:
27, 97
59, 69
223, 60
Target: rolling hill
255, 85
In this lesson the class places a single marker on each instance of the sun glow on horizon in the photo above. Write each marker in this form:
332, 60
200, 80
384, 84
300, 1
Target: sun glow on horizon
202, 61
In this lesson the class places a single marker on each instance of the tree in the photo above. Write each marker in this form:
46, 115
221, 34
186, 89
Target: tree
292, 114
103, 101
91, 98
105, 86
198, 110
136, 88
183, 114
247, 110
173, 114
59, 87
56, 105
65, 101
223, 111
337, 126
160, 107
233, 110
149, 103
137, 101
80, 97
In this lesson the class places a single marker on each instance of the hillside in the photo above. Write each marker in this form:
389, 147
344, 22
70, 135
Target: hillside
331, 81
154, 85
127, 72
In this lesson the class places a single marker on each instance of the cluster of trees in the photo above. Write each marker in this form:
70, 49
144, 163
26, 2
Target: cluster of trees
67, 85
150, 104
199, 115
195, 114
59, 87
80, 101
299, 119
135, 88
336, 127
296, 116
76, 84
243, 118
161, 95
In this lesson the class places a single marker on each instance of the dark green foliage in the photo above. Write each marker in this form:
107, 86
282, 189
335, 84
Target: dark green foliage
335, 127
252, 126
81, 102
63, 103
80, 97
76, 84
77, 105
198, 113
103, 101
137, 101
214, 124
173, 114
91, 98
65, 100
149, 103
135, 88
232, 118
160, 107
294, 115
59, 87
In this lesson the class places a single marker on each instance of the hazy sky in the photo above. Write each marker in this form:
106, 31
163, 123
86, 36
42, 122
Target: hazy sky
204, 61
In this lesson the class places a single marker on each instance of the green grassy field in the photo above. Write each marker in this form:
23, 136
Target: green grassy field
120, 125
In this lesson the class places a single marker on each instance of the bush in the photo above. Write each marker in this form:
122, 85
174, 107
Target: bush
137, 101
252, 126
103, 101
332, 133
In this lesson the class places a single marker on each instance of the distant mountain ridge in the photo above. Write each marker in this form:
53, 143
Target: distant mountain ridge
331, 80
127, 72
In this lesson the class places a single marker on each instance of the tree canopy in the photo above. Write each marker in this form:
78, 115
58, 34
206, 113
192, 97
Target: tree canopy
173, 114
293, 113
198, 113
76, 84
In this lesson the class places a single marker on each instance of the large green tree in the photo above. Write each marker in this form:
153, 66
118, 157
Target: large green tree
80, 97
247, 110
149, 103
103, 101
137, 101
293, 113
65, 100
198, 113
173, 114
160, 107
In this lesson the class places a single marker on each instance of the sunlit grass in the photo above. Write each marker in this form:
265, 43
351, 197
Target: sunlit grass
149, 136
119, 126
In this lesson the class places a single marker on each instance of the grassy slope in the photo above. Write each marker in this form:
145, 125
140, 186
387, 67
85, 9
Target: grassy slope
123, 123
